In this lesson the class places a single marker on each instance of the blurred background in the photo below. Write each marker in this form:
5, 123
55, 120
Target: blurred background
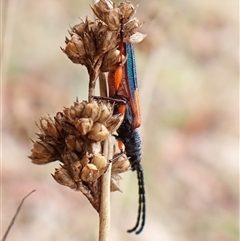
188, 82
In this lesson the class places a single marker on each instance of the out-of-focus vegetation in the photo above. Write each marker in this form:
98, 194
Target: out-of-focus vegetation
188, 83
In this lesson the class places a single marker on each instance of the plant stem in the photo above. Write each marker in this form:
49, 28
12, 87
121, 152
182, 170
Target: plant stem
104, 212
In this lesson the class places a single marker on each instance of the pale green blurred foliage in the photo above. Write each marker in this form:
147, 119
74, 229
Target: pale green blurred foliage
188, 84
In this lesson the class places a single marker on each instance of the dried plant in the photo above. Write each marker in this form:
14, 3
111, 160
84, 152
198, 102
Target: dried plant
95, 43
75, 136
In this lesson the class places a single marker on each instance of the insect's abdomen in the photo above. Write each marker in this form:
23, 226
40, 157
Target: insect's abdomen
133, 146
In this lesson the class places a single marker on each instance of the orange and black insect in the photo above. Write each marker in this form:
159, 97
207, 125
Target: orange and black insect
123, 88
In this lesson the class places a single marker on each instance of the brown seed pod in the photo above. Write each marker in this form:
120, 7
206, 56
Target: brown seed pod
79, 28
127, 10
111, 60
101, 7
75, 143
114, 122
89, 46
48, 127
112, 19
105, 113
108, 13
99, 161
86, 159
62, 176
114, 184
130, 28
100, 29
75, 52
70, 141
70, 113
99, 132
75, 169
89, 173
122, 164
43, 153
83, 125
109, 41
91, 111
79, 107
69, 157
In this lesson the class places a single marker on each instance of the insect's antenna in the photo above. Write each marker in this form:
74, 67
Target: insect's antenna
141, 192
141, 203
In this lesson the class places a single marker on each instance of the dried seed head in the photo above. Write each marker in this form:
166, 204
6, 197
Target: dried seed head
70, 130
75, 135
96, 42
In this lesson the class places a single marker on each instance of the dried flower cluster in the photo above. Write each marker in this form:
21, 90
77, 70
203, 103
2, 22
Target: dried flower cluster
95, 43
74, 137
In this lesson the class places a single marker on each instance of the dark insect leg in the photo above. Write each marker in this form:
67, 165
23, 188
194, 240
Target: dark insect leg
114, 159
110, 99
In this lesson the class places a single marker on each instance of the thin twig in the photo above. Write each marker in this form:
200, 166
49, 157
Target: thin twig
104, 212
15, 216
